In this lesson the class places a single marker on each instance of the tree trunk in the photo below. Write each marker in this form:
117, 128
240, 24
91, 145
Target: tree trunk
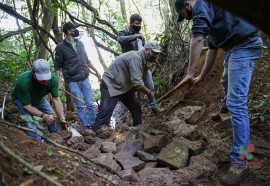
123, 10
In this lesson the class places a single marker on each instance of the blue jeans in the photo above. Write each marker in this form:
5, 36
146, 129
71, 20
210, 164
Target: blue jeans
82, 89
239, 63
44, 107
148, 82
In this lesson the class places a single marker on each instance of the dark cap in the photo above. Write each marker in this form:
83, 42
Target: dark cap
179, 4
68, 26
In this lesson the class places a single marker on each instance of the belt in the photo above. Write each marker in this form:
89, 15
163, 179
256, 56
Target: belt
243, 41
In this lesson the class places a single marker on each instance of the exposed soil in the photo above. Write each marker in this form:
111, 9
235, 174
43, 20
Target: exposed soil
70, 168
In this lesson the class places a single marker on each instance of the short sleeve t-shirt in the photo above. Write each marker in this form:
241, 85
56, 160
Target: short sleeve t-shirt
28, 91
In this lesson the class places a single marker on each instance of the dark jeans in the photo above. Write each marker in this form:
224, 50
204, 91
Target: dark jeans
107, 105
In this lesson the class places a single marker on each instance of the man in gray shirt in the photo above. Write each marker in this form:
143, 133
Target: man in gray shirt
120, 82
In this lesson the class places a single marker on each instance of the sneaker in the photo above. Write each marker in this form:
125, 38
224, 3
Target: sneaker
233, 175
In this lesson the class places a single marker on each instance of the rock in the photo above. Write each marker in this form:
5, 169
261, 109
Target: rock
90, 139
108, 147
196, 147
90, 153
80, 146
107, 159
119, 138
150, 165
143, 135
155, 144
157, 173
200, 167
74, 140
146, 157
129, 175
175, 156
178, 127
155, 132
128, 161
132, 147
197, 114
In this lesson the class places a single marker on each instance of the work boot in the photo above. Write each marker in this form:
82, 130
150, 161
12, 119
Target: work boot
233, 175
155, 110
104, 132
215, 116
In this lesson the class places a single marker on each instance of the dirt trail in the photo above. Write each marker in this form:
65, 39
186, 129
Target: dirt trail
209, 141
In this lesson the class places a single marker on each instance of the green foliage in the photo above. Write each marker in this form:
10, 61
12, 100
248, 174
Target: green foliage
260, 109
13, 57
80, 160
158, 84
50, 151
34, 121
97, 95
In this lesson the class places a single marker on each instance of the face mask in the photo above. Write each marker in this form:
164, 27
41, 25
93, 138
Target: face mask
189, 14
76, 33
136, 28
149, 57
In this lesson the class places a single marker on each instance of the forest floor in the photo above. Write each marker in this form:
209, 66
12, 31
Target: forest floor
209, 140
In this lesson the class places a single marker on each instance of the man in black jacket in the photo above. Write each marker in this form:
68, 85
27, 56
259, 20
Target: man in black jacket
132, 39
71, 57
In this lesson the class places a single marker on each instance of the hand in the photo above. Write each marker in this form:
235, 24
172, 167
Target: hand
49, 118
98, 76
140, 36
61, 86
150, 96
197, 79
63, 124
186, 80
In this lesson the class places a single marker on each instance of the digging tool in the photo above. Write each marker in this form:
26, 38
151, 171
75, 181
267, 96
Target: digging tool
73, 96
171, 91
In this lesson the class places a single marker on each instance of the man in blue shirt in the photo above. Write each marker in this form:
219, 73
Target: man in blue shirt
243, 47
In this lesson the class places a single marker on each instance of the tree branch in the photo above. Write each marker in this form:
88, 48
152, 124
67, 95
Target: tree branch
12, 33
61, 146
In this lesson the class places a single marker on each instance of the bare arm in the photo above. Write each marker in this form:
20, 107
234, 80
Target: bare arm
95, 70
146, 91
196, 45
59, 108
209, 61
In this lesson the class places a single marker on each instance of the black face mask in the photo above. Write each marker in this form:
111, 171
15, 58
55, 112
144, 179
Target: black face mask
136, 28
189, 14
76, 33
149, 57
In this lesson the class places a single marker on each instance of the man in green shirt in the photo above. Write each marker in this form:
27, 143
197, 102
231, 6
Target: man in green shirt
29, 97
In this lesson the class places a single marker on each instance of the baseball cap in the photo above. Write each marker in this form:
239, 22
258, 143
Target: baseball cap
42, 70
68, 26
179, 4
152, 45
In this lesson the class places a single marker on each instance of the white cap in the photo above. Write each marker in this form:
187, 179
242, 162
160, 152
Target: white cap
42, 70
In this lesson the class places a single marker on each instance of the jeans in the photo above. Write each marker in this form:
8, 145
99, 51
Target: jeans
148, 82
107, 105
82, 89
239, 63
44, 107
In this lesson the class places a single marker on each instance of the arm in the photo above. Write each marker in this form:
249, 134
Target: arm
196, 45
60, 84
146, 91
60, 112
95, 70
209, 61
123, 38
